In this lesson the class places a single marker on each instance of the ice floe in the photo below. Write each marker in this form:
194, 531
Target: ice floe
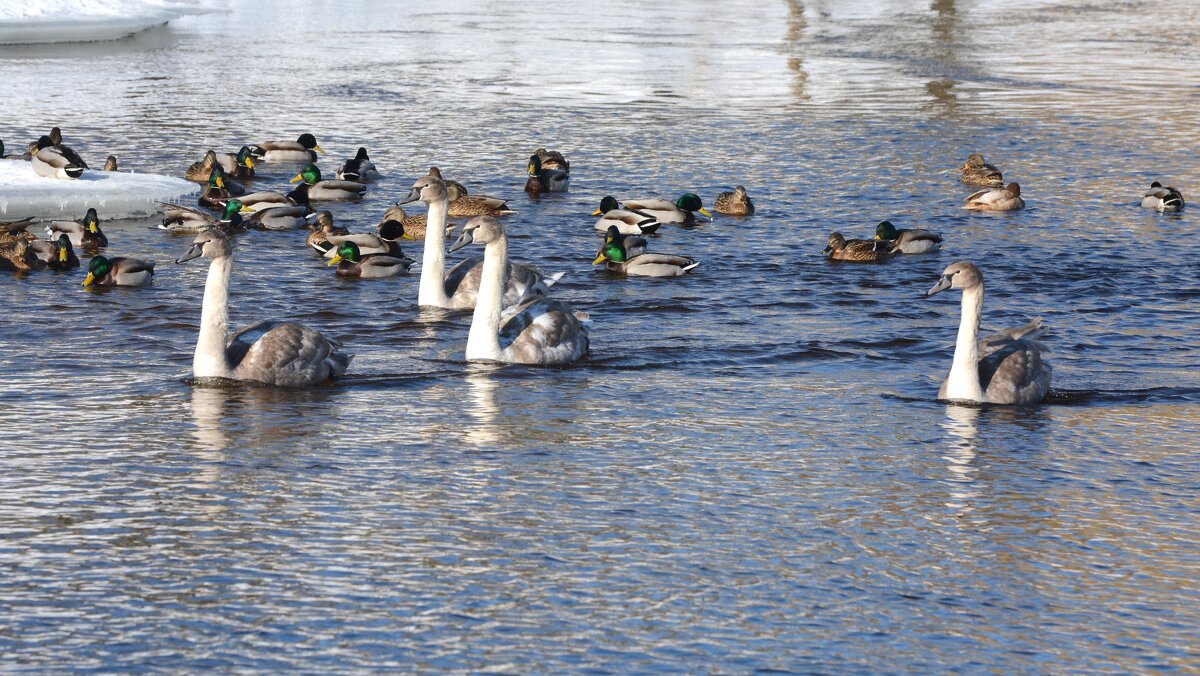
44, 21
113, 194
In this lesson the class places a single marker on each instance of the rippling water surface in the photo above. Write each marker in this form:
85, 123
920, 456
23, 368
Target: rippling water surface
749, 473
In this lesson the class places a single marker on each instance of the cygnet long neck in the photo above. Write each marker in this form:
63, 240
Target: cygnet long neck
483, 342
210, 360
433, 262
963, 382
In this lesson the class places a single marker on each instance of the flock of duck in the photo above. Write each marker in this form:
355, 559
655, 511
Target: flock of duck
514, 318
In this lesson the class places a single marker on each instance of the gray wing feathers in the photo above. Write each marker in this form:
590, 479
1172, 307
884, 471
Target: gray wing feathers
1011, 368
288, 354
543, 331
524, 282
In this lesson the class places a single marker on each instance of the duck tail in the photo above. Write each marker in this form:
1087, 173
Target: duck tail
73, 172
689, 267
551, 280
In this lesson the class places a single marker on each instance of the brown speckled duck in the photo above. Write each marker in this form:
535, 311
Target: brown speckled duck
977, 172
860, 250
736, 203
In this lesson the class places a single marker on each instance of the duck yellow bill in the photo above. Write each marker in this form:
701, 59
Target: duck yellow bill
532, 170
220, 182
600, 259
408, 237
335, 260
597, 212
87, 281
318, 149
249, 162
62, 255
297, 178
705, 212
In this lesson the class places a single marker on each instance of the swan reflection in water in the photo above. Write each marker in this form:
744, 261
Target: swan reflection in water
960, 456
484, 407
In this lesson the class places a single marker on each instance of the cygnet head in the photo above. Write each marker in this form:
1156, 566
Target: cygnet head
428, 189
481, 230
961, 275
211, 244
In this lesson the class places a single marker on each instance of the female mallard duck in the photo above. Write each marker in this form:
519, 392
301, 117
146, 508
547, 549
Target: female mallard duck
266, 199
303, 149
186, 220
359, 168
450, 184
385, 243
118, 272
462, 204
626, 255
273, 353
239, 164
200, 171
323, 229
538, 331
413, 226
907, 240
60, 255
977, 172
110, 164
21, 255
458, 288
997, 199
626, 221
217, 192
15, 231
84, 233
328, 191
352, 263
51, 161
1004, 368
681, 210
736, 203
1162, 198
842, 249
548, 171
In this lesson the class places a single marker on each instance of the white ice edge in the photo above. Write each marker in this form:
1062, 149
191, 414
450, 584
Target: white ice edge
113, 194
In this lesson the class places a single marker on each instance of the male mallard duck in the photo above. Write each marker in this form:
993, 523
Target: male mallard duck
83, 233
59, 255
978, 172
462, 204
387, 242
908, 240
626, 221
842, 249
21, 255
681, 210
359, 168
51, 161
1004, 368
280, 218
118, 272
322, 230
1162, 198
111, 163
736, 203
548, 171
303, 149
537, 331
239, 164
997, 199
351, 263
218, 192
328, 191
266, 199
626, 255
186, 220
270, 352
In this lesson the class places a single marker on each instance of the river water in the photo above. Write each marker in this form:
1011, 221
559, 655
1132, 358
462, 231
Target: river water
749, 473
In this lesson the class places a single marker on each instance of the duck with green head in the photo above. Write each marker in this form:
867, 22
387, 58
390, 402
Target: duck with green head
83, 233
682, 210
186, 220
303, 149
239, 164
359, 168
626, 221
626, 255
548, 171
218, 192
118, 272
328, 191
352, 263
63, 256
907, 240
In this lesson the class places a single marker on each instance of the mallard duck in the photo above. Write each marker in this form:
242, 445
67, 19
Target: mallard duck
462, 204
267, 199
118, 272
303, 149
239, 164
681, 210
59, 255
111, 163
458, 288
57, 139
626, 255
385, 243
1004, 368
269, 352
328, 191
200, 171
997, 199
323, 229
548, 171
736, 203
15, 231
626, 221
83, 233
360, 168
218, 192
413, 226
351, 263
1162, 198
842, 249
51, 161
186, 220
450, 184
21, 255
978, 172
538, 331
281, 218
908, 240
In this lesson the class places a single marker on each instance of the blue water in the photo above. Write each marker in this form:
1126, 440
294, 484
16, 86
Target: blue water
749, 472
